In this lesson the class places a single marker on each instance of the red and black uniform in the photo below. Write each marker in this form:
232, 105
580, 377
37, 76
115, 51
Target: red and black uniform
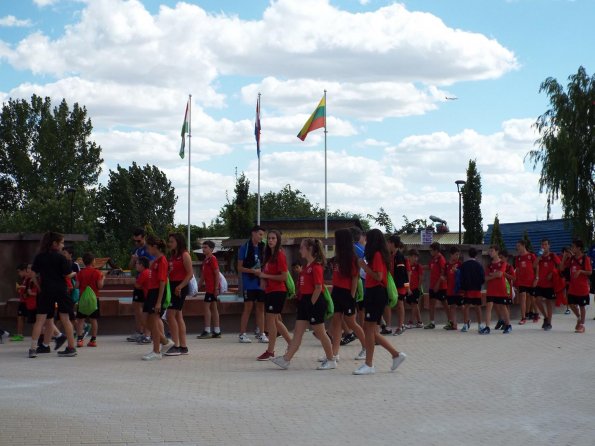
417, 270
27, 300
496, 291
177, 274
210, 271
343, 300
275, 290
89, 277
578, 291
311, 275
141, 286
375, 295
158, 274
454, 295
525, 272
437, 269
547, 267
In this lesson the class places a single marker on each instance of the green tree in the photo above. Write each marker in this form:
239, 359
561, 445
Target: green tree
239, 214
411, 227
496, 238
44, 151
288, 203
383, 220
471, 194
566, 148
527, 240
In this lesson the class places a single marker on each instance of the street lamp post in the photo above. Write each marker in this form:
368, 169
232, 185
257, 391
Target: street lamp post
70, 192
460, 184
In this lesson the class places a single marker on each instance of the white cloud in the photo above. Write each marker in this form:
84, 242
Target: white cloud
43, 3
12, 21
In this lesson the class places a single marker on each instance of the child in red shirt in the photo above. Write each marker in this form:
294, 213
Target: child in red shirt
496, 293
414, 292
437, 268
525, 265
89, 277
27, 292
139, 295
578, 291
210, 279
453, 295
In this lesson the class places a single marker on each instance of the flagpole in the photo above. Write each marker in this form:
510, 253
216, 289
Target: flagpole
258, 201
189, 157
325, 180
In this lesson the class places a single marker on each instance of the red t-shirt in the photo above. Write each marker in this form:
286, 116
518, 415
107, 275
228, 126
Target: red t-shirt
437, 267
89, 277
158, 274
310, 276
451, 274
341, 281
524, 271
377, 266
274, 268
210, 269
417, 269
28, 294
143, 279
579, 286
177, 272
497, 286
547, 265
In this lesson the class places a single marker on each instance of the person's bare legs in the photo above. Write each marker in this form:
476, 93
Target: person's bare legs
320, 332
282, 329
248, 305
296, 341
215, 313
68, 330
207, 314
181, 328
259, 316
336, 328
357, 329
173, 326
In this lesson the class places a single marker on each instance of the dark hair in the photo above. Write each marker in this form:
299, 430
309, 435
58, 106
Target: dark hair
144, 261
48, 240
545, 240
565, 249
504, 252
209, 243
69, 250
395, 240
414, 252
139, 232
472, 252
578, 243
180, 243
522, 243
22, 267
453, 250
88, 258
271, 254
495, 248
435, 246
317, 250
356, 233
157, 242
375, 242
257, 228
344, 253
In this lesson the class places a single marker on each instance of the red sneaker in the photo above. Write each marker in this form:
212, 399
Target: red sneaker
522, 321
580, 329
79, 343
266, 356
92, 343
536, 318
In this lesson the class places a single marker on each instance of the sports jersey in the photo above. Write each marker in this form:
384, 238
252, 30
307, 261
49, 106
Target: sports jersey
496, 287
310, 276
274, 268
437, 266
142, 281
377, 266
547, 267
177, 271
451, 276
417, 269
524, 271
341, 281
89, 277
579, 286
158, 272
210, 270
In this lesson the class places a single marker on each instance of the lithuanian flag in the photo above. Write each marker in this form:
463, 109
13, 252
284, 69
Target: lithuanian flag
316, 120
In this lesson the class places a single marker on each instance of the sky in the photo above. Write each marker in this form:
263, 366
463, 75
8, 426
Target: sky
394, 139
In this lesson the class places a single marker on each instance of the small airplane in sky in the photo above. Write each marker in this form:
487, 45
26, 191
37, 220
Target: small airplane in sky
451, 98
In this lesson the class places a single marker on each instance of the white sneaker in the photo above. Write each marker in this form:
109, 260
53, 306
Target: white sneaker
327, 365
244, 339
167, 346
152, 356
361, 355
281, 362
364, 369
397, 361
263, 339
324, 358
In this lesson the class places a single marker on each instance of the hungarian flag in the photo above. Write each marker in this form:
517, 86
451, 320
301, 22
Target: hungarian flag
257, 127
185, 128
316, 120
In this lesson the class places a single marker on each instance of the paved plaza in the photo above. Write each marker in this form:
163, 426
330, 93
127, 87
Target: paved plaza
527, 388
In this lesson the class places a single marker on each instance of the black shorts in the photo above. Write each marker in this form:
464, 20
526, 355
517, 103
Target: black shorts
375, 300
527, 289
311, 313
254, 296
94, 315
46, 303
401, 298
438, 295
546, 293
210, 297
274, 302
360, 305
151, 300
138, 296
455, 300
499, 300
343, 301
581, 301
413, 298
472, 301
177, 302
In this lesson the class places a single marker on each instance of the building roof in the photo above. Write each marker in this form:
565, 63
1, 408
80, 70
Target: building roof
445, 238
558, 232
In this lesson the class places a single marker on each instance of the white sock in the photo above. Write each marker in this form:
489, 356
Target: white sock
217, 329
208, 329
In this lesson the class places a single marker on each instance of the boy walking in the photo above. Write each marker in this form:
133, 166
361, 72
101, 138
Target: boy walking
210, 279
89, 277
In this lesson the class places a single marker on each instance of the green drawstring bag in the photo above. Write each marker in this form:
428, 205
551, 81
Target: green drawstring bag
359, 293
87, 302
167, 300
330, 307
289, 283
391, 289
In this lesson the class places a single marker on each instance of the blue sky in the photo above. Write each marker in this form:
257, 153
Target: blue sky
394, 141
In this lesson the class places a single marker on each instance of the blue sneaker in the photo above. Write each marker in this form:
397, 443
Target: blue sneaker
465, 328
507, 329
484, 331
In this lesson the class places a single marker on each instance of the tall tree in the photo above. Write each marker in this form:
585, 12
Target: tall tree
288, 203
43, 152
566, 148
239, 213
471, 192
527, 241
496, 238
